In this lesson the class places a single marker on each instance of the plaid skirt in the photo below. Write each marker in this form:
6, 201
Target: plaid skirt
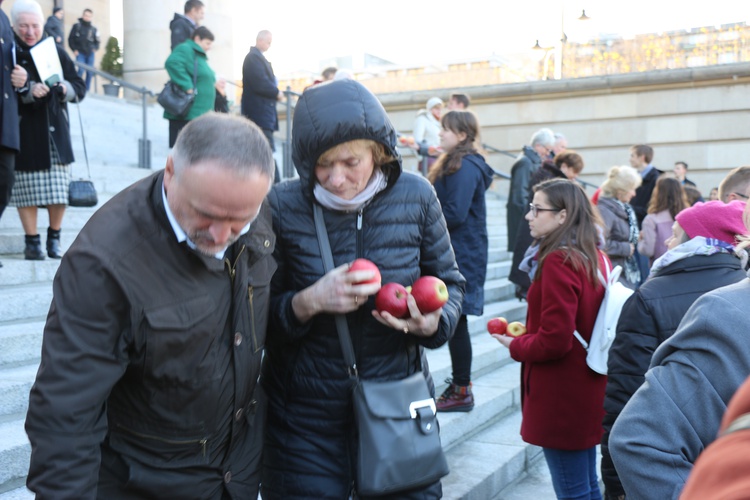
42, 188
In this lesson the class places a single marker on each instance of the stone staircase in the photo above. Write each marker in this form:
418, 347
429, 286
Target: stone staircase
488, 460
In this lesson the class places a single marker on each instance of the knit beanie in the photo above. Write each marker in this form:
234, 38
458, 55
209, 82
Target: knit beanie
714, 219
434, 101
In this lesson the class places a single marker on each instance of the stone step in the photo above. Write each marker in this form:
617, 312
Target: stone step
15, 385
15, 452
488, 461
18, 302
21, 493
20, 342
495, 394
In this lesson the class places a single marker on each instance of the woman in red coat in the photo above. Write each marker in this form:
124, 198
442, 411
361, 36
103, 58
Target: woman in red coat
561, 397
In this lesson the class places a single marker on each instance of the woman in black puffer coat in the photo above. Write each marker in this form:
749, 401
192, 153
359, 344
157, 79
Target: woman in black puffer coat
394, 220
701, 257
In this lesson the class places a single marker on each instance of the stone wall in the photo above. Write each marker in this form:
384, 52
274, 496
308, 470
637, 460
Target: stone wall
700, 116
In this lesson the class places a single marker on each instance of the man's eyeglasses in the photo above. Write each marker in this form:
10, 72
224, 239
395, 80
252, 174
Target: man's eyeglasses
535, 210
743, 196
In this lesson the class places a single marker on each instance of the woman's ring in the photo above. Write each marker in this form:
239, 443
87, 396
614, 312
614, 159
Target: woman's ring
356, 300
406, 328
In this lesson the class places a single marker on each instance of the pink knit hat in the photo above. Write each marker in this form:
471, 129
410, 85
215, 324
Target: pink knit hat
714, 219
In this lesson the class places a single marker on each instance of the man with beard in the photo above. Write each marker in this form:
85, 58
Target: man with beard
152, 347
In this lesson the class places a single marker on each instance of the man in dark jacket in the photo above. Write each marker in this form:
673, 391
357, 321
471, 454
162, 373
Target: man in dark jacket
260, 89
84, 42
527, 163
182, 26
14, 77
54, 26
690, 268
153, 343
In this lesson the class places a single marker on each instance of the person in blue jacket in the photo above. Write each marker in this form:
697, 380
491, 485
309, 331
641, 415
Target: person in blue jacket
461, 176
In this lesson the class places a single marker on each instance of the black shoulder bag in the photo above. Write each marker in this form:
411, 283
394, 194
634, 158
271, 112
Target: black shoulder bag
81, 192
398, 440
176, 101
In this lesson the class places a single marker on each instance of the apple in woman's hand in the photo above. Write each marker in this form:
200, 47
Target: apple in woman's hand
497, 326
392, 298
430, 293
365, 265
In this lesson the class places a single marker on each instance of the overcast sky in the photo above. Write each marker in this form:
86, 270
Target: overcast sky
418, 31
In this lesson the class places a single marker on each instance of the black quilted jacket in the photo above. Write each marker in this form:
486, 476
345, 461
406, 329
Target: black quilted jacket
309, 437
649, 317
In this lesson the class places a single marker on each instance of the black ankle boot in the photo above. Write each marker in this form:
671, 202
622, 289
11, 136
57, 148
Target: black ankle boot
53, 244
33, 249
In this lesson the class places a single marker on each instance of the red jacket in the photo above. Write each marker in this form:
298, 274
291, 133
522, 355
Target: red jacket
561, 397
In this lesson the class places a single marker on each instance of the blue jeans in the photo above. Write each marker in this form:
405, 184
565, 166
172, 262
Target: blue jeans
573, 473
86, 59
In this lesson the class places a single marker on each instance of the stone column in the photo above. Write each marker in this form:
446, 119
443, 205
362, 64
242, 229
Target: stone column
146, 43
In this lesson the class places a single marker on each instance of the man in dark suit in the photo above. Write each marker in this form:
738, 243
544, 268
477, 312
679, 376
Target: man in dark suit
182, 26
14, 76
260, 88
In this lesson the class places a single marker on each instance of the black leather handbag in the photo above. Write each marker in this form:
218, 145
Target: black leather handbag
176, 101
81, 192
398, 445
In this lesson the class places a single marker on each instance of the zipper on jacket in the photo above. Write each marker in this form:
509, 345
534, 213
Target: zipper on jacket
232, 266
203, 442
360, 242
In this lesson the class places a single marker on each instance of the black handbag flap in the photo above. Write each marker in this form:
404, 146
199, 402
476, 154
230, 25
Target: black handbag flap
398, 399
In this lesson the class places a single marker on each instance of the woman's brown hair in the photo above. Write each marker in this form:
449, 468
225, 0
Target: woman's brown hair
456, 121
668, 195
578, 235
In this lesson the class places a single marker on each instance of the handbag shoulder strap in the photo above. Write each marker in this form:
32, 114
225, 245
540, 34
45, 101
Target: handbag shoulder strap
341, 325
195, 74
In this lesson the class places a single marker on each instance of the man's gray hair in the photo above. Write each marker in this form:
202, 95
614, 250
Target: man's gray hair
234, 142
544, 137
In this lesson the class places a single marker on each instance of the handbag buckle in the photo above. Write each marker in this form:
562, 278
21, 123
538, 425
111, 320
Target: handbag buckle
424, 403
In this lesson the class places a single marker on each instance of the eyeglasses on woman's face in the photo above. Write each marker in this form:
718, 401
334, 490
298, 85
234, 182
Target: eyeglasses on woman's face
535, 210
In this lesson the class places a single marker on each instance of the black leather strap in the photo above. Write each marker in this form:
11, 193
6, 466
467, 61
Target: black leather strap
341, 325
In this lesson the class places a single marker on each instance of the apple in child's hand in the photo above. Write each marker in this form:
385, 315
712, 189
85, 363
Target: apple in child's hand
403, 140
516, 329
430, 293
365, 265
392, 298
497, 326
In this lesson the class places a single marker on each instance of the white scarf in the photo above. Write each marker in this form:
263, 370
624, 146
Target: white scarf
699, 245
377, 183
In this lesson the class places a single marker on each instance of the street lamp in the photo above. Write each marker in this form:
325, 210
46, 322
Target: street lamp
563, 39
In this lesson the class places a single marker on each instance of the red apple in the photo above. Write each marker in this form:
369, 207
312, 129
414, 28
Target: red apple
497, 326
516, 329
392, 298
430, 293
365, 265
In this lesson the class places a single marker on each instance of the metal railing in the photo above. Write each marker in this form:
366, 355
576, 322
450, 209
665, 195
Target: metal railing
144, 144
